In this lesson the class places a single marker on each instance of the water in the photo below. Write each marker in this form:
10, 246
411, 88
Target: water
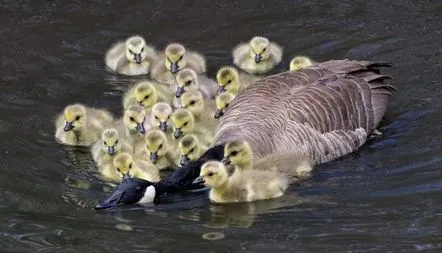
384, 198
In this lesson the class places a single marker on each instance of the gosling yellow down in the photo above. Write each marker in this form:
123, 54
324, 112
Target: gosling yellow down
300, 62
147, 93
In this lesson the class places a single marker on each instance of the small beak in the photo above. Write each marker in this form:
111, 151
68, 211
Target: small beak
179, 92
226, 161
163, 126
184, 159
198, 180
140, 128
177, 133
220, 90
174, 67
111, 150
218, 113
258, 58
154, 157
68, 126
137, 58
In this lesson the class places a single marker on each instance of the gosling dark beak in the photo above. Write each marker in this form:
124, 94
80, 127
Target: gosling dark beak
220, 90
226, 161
154, 157
68, 126
173, 67
111, 150
258, 58
163, 126
130, 191
179, 92
218, 113
177, 133
184, 159
140, 128
137, 58
198, 180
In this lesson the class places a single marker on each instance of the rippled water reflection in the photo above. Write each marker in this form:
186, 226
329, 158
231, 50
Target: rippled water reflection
384, 198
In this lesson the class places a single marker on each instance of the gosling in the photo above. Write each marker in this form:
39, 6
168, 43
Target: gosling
190, 149
125, 165
110, 145
188, 79
159, 150
146, 93
222, 102
160, 115
230, 80
300, 62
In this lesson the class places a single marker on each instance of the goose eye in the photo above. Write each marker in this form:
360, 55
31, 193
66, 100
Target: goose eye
210, 174
77, 118
229, 81
142, 49
130, 166
146, 97
188, 83
132, 119
191, 151
192, 102
185, 124
227, 104
234, 153
161, 145
181, 57
116, 142
264, 49
130, 51
156, 117
118, 169
105, 143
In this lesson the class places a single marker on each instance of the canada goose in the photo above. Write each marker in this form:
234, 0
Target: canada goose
109, 146
160, 150
300, 62
125, 164
230, 80
159, 116
323, 112
147, 93
188, 79
79, 125
222, 101
244, 186
258, 56
175, 58
190, 148
239, 154
132, 57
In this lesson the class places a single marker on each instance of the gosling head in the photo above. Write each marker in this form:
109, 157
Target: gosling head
146, 94
135, 51
124, 164
156, 143
238, 153
160, 115
175, 57
189, 148
222, 101
193, 101
110, 139
213, 174
186, 79
259, 49
74, 117
228, 80
182, 121
134, 118
300, 62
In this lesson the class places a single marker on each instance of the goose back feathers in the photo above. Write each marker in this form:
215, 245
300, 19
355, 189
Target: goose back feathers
323, 112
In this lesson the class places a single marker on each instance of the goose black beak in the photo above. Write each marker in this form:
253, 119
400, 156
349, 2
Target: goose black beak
140, 128
218, 113
198, 180
130, 191
177, 133
226, 161
111, 150
154, 157
184, 159
163, 126
220, 90
68, 126
179, 92
137, 58
173, 67
258, 58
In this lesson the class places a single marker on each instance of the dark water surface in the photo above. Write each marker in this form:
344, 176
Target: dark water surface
387, 197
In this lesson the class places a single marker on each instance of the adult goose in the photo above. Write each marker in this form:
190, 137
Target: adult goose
323, 112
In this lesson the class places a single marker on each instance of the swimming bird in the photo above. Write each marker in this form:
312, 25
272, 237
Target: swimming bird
79, 125
258, 56
242, 186
125, 164
222, 102
230, 80
132, 57
190, 149
300, 62
183, 123
175, 58
323, 112
188, 79
133, 125
110, 145
193, 100
147, 93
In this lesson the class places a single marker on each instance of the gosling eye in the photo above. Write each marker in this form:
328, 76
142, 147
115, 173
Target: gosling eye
119, 170
191, 151
130, 51
192, 102
229, 81
105, 143
116, 142
130, 166
146, 97
132, 119
264, 49
234, 153
142, 49
77, 118
227, 104
185, 124
161, 145
188, 83
181, 58
156, 117
210, 174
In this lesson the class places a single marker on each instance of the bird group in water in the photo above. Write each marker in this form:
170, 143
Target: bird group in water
170, 119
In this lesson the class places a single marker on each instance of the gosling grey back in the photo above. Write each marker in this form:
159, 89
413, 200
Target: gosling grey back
323, 112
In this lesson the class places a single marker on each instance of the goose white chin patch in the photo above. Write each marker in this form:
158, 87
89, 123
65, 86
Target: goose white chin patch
149, 195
